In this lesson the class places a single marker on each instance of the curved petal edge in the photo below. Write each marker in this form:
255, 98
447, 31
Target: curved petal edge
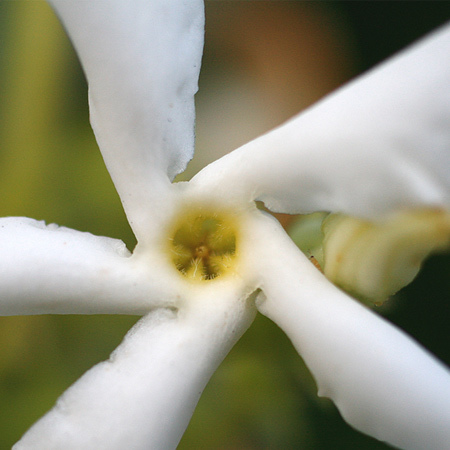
46, 269
144, 395
383, 382
142, 61
379, 144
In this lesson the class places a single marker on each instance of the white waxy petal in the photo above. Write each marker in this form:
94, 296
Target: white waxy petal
142, 60
383, 382
144, 395
379, 144
46, 269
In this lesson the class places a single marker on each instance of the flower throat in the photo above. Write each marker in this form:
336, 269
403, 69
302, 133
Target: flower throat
203, 245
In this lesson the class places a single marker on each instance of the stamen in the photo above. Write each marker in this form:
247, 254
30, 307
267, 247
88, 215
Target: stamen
203, 245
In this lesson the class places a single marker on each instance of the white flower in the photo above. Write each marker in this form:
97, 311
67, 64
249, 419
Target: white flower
207, 259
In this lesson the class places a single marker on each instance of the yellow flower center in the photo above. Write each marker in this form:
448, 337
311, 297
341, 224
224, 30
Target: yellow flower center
203, 243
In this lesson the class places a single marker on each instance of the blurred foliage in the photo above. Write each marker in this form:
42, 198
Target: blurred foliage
264, 61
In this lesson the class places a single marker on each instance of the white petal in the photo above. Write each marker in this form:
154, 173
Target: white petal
382, 381
380, 143
142, 60
56, 270
144, 395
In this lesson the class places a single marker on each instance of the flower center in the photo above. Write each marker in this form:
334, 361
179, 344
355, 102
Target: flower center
203, 244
